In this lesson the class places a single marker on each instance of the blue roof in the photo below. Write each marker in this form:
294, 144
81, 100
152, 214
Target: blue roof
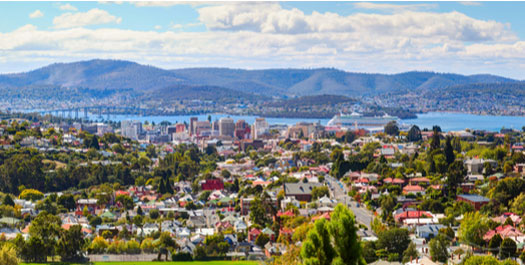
474, 197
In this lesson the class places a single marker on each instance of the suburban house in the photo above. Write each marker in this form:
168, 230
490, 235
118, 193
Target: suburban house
301, 191
473, 199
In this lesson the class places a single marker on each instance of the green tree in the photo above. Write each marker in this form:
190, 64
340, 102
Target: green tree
71, 244
31, 194
154, 214
481, 260
472, 229
67, 201
494, 244
8, 200
8, 255
369, 251
507, 249
46, 228
518, 204
455, 176
395, 240
125, 200
410, 252
319, 192
438, 248
387, 206
391, 128
435, 142
258, 214
414, 134
261, 240
317, 248
343, 230
449, 151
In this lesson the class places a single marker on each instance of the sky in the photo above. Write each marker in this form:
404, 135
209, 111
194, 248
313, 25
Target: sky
372, 37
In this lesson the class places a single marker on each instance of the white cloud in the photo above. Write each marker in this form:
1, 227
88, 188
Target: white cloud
264, 35
158, 27
183, 26
470, 3
36, 14
394, 7
166, 3
92, 17
272, 18
68, 7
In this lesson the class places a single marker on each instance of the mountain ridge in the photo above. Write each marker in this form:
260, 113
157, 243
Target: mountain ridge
282, 83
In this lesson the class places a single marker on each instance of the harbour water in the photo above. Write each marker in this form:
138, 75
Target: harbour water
446, 120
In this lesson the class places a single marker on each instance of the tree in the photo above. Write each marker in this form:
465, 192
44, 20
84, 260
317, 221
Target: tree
258, 214
125, 200
410, 252
46, 228
494, 244
261, 240
333, 242
8, 255
435, 142
438, 248
369, 251
518, 204
154, 214
481, 260
395, 240
507, 249
391, 128
414, 134
455, 176
8, 200
344, 233
71, 244
472, 229
319, 192
31, 194
317, 248
387, 206
67, 201
449, 151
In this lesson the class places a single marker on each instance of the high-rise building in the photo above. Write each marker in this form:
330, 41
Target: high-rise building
242, 130
260, 127
180, 127
202, 128
193, 120
131, 129
226, 127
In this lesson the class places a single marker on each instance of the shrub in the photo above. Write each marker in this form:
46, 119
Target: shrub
181, 256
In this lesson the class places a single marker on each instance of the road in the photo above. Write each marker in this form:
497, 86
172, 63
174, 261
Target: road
339, 192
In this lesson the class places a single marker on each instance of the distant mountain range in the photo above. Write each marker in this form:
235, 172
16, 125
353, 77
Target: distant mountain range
151, 81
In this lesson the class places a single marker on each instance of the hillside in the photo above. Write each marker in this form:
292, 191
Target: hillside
118, 75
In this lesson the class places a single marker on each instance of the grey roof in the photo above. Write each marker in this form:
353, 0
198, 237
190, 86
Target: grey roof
474, 197
430, 229
299, 188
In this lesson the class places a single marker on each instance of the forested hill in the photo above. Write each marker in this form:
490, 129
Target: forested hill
130, 76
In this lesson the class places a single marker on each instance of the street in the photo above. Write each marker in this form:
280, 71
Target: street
339, 193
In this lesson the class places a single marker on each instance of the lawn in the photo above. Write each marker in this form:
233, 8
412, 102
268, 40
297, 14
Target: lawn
156, 263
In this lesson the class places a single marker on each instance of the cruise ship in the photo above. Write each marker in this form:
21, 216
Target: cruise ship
357, 121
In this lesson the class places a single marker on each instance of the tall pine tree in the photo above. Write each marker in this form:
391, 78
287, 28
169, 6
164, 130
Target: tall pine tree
449, 151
